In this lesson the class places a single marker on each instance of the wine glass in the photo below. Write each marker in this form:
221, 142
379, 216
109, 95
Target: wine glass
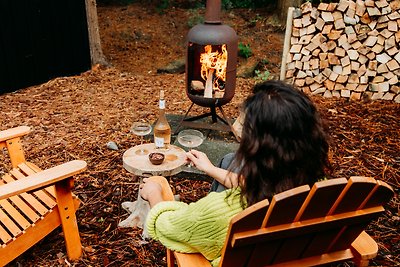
141, 129
190, 138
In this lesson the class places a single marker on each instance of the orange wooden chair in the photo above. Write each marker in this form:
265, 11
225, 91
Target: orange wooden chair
34, 202
303, 227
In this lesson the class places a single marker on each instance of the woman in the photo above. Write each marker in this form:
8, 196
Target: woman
283, 146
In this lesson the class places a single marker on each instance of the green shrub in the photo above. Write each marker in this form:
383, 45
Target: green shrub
316, 2
244, 50
162, 5
195, 18
228, 4
262, 75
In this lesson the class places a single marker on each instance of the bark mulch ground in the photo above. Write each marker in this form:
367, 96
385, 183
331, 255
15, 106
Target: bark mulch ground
75, 117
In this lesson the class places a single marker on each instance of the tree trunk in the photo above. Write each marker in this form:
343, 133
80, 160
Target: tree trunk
283, 6
96, 53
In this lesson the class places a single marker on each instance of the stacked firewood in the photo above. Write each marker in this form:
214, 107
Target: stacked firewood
347, 49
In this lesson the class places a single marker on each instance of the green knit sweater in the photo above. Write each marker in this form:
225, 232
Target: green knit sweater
196, 227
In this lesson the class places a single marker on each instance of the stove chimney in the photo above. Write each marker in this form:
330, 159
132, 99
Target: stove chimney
213, 11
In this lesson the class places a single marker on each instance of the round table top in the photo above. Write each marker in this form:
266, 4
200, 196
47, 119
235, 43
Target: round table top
139, 164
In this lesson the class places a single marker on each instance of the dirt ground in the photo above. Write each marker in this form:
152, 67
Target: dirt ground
137, 39
75, 117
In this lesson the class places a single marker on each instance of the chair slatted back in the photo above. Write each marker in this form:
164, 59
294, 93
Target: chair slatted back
322, 197
249, 219
18, 213
239, 256
358, 192
304, 222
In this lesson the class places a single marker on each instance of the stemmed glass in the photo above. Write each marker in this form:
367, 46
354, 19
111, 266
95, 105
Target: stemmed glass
190, 138
141, 129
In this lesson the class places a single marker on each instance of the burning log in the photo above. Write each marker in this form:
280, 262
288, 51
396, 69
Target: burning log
352, 50
197, 86
208, 91
213, 68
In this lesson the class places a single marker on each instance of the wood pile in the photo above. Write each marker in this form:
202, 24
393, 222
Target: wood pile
348, 49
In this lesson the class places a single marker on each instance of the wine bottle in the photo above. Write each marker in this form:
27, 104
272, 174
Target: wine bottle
162, 130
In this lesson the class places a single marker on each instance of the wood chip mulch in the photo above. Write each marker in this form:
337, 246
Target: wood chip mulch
75, 117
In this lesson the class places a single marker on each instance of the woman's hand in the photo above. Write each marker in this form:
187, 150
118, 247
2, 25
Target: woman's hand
200, 160
151, 191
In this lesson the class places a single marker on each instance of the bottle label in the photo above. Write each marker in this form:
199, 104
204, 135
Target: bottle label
159, 142
162, 104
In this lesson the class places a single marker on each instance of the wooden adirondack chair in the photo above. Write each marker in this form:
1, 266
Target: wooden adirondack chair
303, 227
34, 202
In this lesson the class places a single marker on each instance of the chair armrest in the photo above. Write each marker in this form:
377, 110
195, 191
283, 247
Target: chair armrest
14, 132
191, 259
364, 247
42, 179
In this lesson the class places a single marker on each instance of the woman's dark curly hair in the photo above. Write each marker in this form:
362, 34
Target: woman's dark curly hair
283, 143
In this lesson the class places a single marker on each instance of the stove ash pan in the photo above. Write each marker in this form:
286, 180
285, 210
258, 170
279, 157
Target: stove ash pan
211, 60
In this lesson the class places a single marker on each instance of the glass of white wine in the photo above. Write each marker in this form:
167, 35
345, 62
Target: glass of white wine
190, 138
141, 129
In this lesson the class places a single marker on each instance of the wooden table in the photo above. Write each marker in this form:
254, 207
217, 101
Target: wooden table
140, 165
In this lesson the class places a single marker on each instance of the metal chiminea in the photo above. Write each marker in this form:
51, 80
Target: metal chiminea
211, 59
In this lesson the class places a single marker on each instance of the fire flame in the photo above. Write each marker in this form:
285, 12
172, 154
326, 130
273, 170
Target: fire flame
213, 64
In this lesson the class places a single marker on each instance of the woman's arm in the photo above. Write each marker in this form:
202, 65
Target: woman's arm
201, 161
198, 227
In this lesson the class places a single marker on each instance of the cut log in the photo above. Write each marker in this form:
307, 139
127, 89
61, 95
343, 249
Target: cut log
296, 48
355, 96
377, 48
339, 24
345, 93
333, 76
327, 16
362, 88
393, 65
382, 68
390, 42
353, 54
397, 57
342, 79
340, 52
383, 58
345, 61
330, 85
361, 71
373, 65
364, 80
334, 34
371, 41
392, 26
353, 78
319, 24
381, 3
327, 29
360, 8
340, 49
392, 51
346, 70
342, 6
333, 59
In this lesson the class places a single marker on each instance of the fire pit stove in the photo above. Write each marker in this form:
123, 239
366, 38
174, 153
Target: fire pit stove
211, 59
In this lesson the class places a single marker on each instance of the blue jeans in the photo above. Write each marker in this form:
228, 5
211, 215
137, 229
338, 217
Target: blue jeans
224, 164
